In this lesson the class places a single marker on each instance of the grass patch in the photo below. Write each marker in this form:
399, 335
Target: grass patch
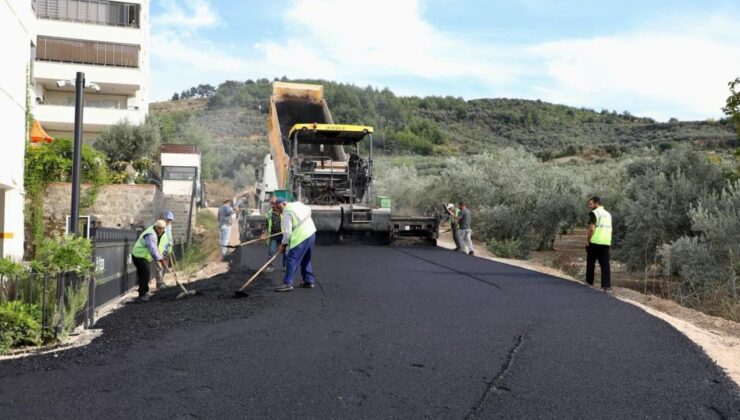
205, 243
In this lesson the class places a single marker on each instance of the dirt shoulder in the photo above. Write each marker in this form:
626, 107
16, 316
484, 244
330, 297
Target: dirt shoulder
718, 337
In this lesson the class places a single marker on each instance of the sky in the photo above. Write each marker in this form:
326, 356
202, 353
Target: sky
653, 58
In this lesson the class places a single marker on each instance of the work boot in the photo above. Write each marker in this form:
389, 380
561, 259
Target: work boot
471, 253
307, 285
284, 288
269, 269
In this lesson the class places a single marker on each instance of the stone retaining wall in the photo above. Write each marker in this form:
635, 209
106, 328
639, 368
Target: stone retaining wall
118, 206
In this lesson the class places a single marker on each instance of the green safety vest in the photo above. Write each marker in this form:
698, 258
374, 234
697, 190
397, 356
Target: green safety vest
141, 250
268, 216
302, 226
603, 229
455, 222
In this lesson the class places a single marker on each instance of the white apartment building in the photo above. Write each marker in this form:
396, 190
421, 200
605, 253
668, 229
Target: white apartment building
17, 24
109, 42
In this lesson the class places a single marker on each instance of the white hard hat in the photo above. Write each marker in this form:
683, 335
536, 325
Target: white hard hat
450, 206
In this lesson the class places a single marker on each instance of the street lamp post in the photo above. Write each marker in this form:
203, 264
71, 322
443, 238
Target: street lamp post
80, 86
77, 154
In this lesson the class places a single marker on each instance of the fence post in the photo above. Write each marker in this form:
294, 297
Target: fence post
60, 306
91, 300
45, 278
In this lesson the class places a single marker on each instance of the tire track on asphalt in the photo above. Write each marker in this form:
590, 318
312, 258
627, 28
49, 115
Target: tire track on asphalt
490, 283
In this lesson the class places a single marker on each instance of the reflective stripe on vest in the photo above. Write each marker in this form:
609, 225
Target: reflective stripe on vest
141, 250
302, 226
603, 229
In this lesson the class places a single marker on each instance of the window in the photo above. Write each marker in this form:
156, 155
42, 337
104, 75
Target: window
178, 173
102, 12
87, 52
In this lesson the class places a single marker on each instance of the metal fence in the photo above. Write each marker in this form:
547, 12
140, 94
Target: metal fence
53, 295
50, 297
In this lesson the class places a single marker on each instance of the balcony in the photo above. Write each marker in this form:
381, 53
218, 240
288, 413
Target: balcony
61, 118
112, 80
91, 32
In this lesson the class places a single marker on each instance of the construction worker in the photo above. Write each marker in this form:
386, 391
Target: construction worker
225, 216
167, 248
272, 227
466, 232
299, 238
454, 218
598, 242
149, 247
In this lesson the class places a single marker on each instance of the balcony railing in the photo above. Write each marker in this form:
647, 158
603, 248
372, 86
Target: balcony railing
96, 12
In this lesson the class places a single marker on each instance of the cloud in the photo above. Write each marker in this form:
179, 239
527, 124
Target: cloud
679, 66
187, 15
685, 67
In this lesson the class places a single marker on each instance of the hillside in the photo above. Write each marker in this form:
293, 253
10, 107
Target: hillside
231, 120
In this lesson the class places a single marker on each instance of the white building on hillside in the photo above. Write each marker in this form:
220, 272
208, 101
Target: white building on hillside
109, 42
180, 169
17, 24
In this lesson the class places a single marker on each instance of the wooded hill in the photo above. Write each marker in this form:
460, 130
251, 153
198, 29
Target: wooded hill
450, 126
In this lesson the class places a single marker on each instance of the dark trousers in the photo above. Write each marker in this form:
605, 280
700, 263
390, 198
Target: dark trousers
143, 274
456, 237
601, 253
300, 258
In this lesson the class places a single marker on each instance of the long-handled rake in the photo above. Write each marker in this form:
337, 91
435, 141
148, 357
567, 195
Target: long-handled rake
241, 293
251, 241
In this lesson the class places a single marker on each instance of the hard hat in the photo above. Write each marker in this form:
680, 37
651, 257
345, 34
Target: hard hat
168, 215
450, 206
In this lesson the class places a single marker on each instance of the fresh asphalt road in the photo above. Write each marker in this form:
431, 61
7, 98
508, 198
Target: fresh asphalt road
390, 332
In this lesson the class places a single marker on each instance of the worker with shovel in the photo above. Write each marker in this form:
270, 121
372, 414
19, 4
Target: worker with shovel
272, 232
167, 248
299, 238
149, 247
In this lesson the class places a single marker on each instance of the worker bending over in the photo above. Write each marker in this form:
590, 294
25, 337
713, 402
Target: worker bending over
299, 238
149, 247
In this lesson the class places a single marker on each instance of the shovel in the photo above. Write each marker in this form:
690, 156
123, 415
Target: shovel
241, 293
185, 292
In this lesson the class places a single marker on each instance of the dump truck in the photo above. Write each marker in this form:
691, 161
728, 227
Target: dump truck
329, 167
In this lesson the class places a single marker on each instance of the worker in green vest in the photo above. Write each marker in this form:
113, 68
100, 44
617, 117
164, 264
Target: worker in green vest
598, 243
299, 238
273, 227
149, 247
167, 244
453, 214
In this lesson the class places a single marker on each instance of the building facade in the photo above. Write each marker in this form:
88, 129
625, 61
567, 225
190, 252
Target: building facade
109, 42
180, 169
18, 27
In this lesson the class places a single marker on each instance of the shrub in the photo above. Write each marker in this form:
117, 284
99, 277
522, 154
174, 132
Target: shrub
19, 325
508, 248
124, 142
658, 197
64, 254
